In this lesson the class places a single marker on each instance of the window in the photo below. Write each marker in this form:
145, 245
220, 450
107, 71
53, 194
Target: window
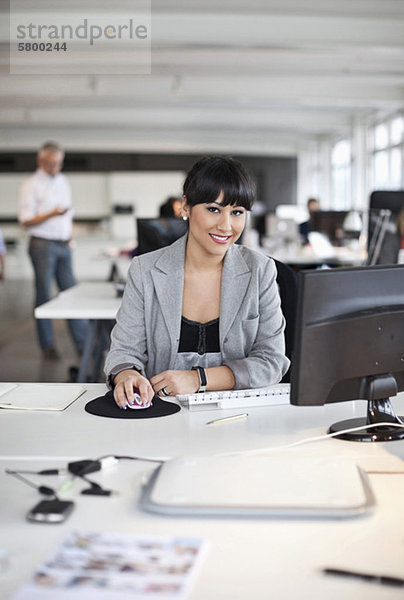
341, 175
381, 136
315, 173
386, 145
396, 130
396, 162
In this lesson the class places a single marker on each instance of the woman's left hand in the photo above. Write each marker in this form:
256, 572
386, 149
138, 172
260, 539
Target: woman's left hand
175, 382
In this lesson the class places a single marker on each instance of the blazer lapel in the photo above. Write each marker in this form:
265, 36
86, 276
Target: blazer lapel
235, 280
168, 279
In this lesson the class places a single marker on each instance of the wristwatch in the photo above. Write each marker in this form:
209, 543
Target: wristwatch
202, 378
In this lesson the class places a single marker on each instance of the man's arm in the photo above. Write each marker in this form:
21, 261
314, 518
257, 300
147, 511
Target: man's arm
44, 217
27, 206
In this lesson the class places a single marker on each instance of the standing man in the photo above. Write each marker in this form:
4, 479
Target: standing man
45, 211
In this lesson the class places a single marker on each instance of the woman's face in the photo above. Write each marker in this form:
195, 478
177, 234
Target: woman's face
213, 227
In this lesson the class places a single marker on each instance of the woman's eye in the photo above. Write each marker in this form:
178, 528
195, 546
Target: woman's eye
213, 209
238, 212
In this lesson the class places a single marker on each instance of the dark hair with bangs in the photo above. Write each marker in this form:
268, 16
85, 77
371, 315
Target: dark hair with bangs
212, 175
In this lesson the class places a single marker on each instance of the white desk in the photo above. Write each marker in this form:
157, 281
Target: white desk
89, 300
247, 559
302, 257
95, 301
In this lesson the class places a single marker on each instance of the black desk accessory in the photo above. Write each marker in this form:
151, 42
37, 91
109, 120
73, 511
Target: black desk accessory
105, 406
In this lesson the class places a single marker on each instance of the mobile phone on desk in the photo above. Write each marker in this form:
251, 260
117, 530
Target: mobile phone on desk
50, 511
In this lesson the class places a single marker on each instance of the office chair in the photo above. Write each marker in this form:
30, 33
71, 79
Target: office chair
383, 237
153, 234
287, 283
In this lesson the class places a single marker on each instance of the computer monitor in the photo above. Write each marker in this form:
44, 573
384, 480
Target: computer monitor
258, 223
391, 199
153, 234
349, 344
297, 212
284, 229
329, 222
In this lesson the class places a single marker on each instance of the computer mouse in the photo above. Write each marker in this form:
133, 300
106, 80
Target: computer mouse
138, 403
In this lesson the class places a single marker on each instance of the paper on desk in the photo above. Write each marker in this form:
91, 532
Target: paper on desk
39, 396
6, 387
107, 566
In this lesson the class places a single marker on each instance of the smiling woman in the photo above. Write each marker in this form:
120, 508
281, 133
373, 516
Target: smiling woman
203, 313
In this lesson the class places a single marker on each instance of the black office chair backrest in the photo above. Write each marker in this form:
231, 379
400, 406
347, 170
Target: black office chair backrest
383, 237
153, 234
287, 283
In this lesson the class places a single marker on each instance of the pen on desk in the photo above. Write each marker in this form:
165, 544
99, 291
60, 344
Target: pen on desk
382, 579
225, 419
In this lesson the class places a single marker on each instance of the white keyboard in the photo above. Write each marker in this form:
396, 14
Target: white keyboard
268, 396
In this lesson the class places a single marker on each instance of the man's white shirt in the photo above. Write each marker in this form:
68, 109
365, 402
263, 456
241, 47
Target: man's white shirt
2, 244
42, 193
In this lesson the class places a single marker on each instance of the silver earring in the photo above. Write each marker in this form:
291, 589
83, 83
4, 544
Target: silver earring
185, 218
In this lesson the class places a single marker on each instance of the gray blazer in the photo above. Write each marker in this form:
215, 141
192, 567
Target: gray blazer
146, 334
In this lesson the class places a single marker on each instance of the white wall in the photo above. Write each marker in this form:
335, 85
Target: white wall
94, 194
9, 186
145, 190
90, 194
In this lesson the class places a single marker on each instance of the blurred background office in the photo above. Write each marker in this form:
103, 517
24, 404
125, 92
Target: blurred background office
309, 96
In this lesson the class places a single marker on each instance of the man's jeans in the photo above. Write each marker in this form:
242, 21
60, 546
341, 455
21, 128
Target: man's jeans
52, 261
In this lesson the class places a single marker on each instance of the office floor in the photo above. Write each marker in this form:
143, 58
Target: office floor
20, 355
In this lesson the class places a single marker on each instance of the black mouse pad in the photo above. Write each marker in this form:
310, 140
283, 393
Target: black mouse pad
105, 406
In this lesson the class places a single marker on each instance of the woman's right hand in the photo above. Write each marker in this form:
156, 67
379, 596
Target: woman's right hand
128, 382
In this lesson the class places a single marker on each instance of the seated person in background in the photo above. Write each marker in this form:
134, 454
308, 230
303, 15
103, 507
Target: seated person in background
202, 312
304, 228
400, 227
171, 208
2, 258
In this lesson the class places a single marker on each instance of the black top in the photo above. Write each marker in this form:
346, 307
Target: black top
199, 337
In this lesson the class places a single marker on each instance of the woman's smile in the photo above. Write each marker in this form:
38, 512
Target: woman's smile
220, 239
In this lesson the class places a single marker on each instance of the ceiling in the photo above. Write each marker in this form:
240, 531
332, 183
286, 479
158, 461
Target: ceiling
250, 77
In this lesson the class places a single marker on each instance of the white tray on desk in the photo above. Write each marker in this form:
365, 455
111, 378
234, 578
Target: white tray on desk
252, 485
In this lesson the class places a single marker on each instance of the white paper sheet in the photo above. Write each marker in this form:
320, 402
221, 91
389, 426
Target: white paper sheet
39, 396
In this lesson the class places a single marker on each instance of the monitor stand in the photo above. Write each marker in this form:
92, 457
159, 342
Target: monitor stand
376, 390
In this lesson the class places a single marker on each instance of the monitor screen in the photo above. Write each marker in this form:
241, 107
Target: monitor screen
391, 199
296, 212
349, 343
276, 227
153, 234
258, 222
329, 222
